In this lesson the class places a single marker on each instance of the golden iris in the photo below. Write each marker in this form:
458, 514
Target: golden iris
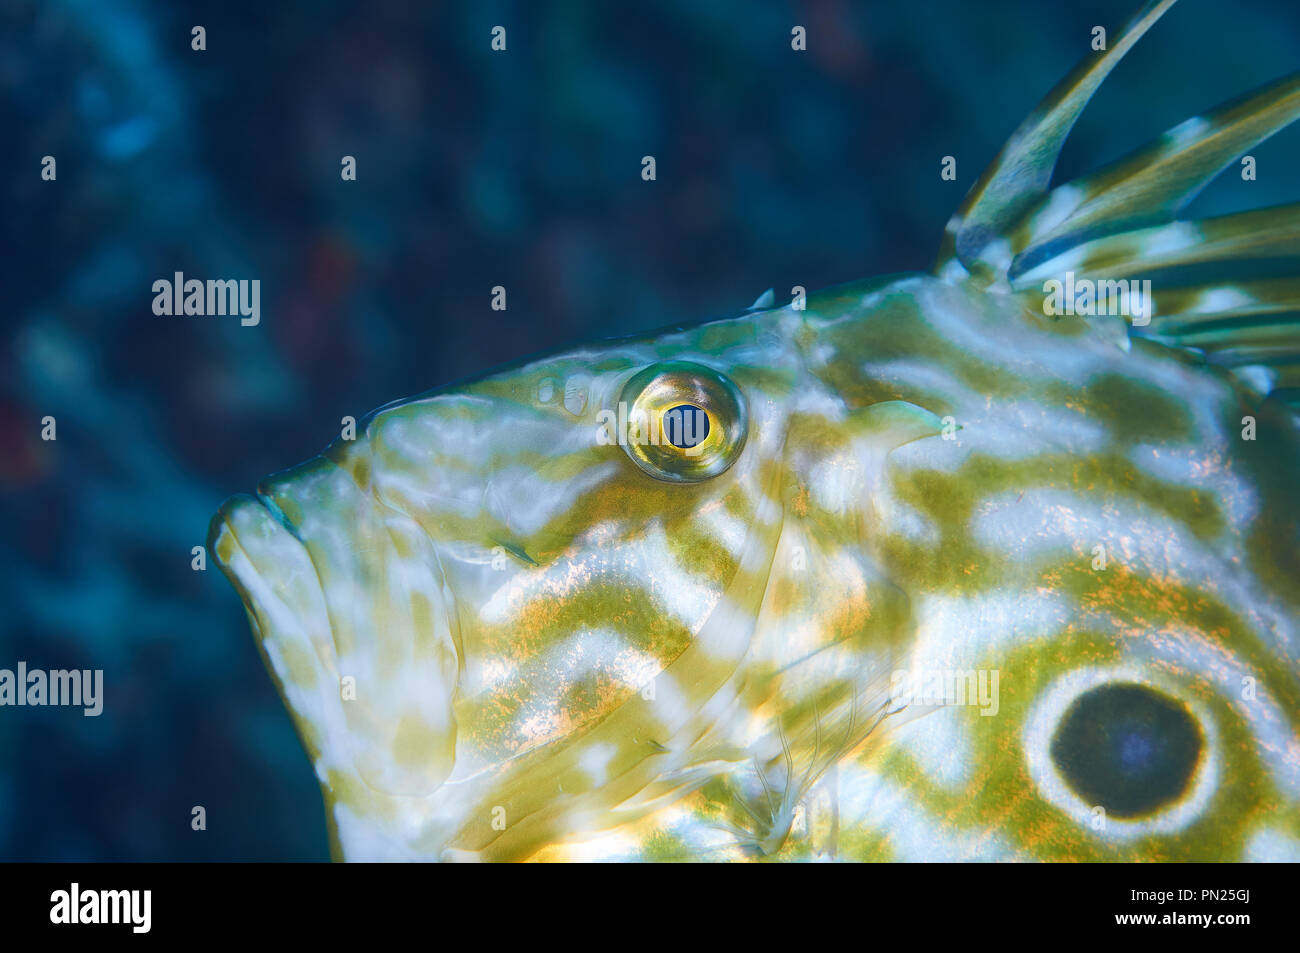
686, 422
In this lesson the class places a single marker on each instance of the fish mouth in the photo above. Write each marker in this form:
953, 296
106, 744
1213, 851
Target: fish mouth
349, 607
258, 550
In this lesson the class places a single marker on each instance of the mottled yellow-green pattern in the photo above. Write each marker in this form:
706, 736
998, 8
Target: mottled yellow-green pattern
928, 521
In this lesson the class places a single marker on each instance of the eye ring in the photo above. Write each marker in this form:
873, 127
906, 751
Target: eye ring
1050, 713
687, 423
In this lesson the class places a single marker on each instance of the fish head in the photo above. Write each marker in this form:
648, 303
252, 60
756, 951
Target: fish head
574, 587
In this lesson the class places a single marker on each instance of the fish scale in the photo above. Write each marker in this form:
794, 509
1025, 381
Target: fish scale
509, 628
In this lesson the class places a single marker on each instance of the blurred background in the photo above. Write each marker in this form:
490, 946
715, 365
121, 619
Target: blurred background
474, 169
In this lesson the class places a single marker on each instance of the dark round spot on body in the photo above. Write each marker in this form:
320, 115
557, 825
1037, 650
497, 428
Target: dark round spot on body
1127, 748
686, 426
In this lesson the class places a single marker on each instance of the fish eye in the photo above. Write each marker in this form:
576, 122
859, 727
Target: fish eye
1128, 748
686, 422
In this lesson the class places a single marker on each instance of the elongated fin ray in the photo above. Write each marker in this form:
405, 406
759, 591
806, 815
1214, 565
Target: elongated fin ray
1208, 304
1119, 223
1252, 327
1265, 233
1153, 185
1241, 338
1019, 176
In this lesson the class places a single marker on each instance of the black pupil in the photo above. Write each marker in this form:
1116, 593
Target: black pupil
686, 426
1127, 748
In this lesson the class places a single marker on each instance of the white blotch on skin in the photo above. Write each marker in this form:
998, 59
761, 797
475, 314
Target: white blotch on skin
726, 529
1272, 846
921, 375
1017, 430
595, 759
526, 501
1031, 353
941, 745
964, 632
870, 801
1041, 523
646, 565
1192, 466
904, 520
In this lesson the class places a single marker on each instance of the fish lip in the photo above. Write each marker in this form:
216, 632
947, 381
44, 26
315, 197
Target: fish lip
320, 594
221, 522
273, 508
226, 550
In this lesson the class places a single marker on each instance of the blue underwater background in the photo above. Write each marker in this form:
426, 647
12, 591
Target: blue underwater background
475, 169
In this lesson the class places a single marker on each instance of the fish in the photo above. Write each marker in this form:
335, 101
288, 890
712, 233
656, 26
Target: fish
949, 565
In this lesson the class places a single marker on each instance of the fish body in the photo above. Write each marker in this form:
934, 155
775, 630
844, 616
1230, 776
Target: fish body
911, 569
